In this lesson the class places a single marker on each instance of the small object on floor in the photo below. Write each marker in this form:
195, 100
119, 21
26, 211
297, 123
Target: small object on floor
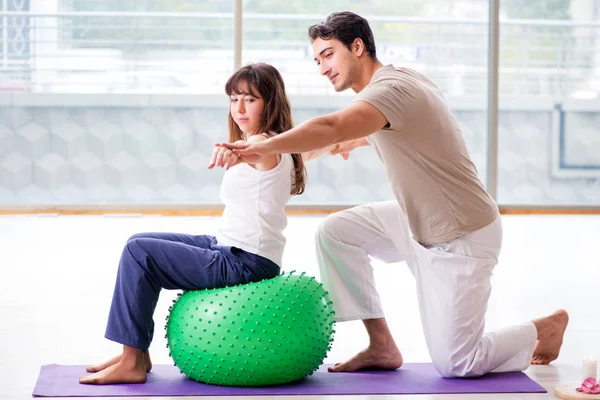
588, 389
589, 386
589, 368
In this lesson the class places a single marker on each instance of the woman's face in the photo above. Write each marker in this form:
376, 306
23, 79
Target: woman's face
246, 110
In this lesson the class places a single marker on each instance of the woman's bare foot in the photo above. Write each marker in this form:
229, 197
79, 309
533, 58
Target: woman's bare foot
371, 358
104, 365
147, 361
116, 359
121, 372
551, 330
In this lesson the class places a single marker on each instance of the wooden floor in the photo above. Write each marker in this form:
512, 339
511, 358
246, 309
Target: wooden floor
58, 274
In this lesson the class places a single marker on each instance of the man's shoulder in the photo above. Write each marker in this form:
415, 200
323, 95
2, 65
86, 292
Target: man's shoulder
385, 78
390, 73
400, 80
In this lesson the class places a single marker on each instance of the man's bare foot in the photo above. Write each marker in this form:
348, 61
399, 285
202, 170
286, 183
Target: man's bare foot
551, 330
371, 358
116, 359
120, 372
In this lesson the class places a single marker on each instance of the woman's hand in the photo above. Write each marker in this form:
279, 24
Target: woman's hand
223, 157
248, 152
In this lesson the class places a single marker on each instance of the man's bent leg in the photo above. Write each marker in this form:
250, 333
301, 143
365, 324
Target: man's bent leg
344, 242
453, 286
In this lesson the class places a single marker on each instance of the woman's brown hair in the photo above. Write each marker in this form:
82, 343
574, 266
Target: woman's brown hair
277, 113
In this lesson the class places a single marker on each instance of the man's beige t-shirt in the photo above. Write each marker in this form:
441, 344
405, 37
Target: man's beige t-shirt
424, 153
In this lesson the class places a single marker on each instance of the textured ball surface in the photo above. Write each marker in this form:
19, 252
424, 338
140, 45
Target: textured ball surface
265, 333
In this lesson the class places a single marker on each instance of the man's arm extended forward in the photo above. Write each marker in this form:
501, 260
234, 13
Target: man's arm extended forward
356, 121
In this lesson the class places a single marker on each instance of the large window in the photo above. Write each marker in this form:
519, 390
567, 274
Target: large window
107, 102
549, 121
114, 46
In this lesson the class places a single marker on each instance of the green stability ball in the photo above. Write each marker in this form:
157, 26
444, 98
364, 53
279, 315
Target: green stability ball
265, 333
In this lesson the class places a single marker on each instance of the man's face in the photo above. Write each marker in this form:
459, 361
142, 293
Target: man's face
336, 63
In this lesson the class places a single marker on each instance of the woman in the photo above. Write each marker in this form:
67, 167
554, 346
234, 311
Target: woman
248, 246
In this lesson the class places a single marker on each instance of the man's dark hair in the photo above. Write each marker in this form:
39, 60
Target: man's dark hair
345, 26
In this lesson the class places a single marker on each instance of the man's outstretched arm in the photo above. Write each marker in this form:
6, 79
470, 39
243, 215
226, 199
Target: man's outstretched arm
356, 121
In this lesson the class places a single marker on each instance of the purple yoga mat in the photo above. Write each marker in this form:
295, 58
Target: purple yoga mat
164, 380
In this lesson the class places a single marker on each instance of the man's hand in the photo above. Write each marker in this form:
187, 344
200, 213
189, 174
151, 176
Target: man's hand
223, 157
345, 154
248, 152
344, 148
336, 150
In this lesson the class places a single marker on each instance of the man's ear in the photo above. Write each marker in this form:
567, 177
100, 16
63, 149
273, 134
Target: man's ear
359, 46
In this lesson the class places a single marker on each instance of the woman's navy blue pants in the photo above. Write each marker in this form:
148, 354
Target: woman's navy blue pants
152, 261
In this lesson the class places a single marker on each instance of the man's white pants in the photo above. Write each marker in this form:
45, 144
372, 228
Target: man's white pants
453, 286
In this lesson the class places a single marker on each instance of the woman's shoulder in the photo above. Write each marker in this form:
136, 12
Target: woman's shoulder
259, 137
268, 162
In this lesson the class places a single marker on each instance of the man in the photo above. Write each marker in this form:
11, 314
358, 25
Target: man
442, 222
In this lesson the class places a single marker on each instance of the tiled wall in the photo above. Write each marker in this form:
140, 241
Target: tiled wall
157, 155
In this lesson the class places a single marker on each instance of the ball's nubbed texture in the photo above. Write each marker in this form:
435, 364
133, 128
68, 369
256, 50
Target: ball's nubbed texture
265, 333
